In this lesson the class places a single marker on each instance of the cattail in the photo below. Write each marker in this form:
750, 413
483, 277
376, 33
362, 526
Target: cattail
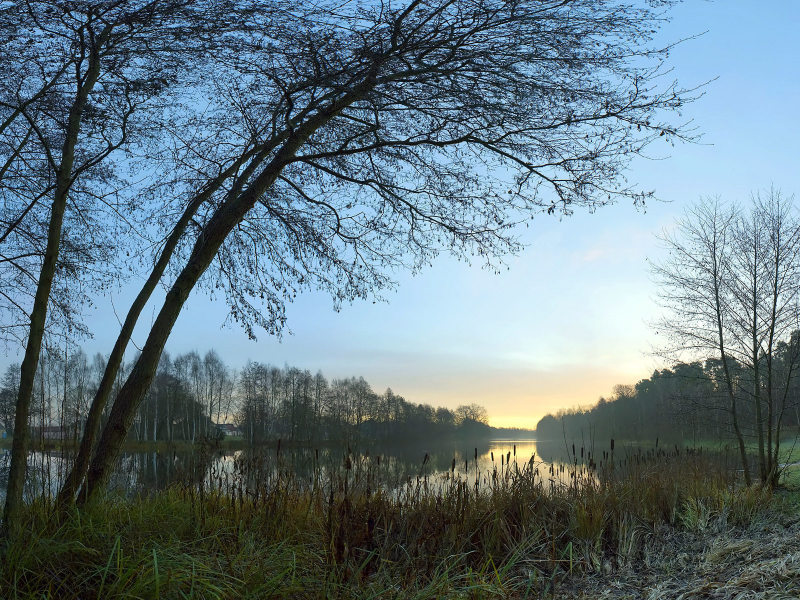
316, 453
476, 454
453, 466
515, 451
502, 460
425, 460
581, 452
612, 444
279, 447
656, 442
508, 458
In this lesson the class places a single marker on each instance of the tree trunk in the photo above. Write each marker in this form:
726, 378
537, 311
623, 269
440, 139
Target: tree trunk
775, 472
728, 379
205, 249
19, 447
772, 465
762, 462
66, 495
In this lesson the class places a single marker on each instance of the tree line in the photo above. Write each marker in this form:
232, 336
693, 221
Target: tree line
192, 394
684, 403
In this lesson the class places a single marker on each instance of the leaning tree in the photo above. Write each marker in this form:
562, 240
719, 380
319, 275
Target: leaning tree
340, 142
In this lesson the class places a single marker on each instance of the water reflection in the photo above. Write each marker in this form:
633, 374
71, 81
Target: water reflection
390, 467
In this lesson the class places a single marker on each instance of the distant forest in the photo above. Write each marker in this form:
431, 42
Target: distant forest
682, 403
192, 393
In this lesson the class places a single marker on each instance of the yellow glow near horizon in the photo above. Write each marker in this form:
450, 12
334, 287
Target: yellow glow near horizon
515, 422
519, 398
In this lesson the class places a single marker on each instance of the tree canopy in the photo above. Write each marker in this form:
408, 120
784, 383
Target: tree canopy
326, 144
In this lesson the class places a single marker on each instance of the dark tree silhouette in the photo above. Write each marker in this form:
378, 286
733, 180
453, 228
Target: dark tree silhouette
340, 143
77, 80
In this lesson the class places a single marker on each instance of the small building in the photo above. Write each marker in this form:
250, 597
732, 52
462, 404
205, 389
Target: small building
53, 432
229, 429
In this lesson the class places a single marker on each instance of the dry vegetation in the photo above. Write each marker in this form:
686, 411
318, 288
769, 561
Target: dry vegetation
760, 561
651, 525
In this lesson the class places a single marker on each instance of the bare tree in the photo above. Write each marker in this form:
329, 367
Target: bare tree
730, 286
692, 287
475, 413
767, 260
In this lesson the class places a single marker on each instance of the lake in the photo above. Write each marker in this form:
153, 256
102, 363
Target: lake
389, 467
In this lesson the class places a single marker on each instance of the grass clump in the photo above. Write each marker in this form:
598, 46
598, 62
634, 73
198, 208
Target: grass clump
258, 530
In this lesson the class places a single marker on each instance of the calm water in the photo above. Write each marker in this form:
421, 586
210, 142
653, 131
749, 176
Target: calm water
391, 467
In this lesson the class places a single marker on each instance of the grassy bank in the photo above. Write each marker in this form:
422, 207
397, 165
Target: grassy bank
523, 533
788, 455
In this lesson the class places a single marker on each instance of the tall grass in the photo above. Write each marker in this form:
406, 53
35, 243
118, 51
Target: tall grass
259, 530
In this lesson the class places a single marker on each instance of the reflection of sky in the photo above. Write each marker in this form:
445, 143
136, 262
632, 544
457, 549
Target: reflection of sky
567, 321
141, 472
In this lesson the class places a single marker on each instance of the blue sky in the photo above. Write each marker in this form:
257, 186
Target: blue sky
567, 321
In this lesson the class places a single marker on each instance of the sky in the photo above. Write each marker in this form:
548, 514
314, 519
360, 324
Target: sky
569, 318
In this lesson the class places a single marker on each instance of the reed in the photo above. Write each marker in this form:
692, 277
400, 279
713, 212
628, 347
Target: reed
259, 530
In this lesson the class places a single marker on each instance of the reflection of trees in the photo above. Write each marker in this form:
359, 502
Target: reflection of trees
385, 466
5, 461
43, 473
142, 472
